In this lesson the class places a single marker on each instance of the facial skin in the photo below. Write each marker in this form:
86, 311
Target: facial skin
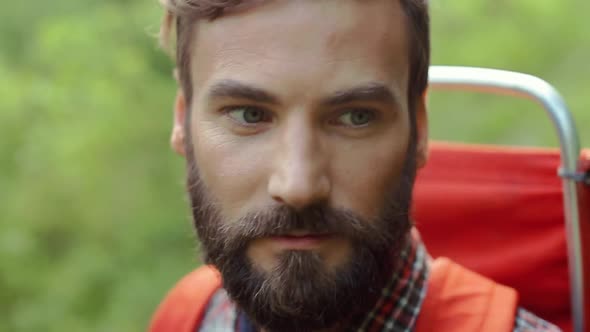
300, 113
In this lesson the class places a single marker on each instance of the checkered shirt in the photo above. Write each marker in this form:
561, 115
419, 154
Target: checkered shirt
396, 310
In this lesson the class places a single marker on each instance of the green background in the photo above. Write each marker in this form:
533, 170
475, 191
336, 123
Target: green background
94, 226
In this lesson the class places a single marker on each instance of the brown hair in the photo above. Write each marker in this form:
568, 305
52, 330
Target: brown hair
185, 12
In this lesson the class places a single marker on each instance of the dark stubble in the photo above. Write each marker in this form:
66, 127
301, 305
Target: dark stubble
302, 293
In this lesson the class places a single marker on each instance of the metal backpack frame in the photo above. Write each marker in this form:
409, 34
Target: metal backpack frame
502, 82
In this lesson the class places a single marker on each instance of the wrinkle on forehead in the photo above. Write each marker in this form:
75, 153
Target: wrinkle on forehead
305, 35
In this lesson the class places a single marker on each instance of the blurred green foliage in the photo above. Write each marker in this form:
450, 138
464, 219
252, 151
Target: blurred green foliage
94, 226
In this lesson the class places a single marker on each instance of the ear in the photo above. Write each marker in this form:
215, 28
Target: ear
422, 132
178, 138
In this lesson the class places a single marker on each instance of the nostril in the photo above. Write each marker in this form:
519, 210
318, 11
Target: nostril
278, 199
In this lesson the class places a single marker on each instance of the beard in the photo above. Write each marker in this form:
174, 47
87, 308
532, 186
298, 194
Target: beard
301, 293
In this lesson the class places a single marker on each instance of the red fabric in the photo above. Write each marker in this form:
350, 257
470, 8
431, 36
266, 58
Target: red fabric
461, 300
584, 205
499, 211
184, 306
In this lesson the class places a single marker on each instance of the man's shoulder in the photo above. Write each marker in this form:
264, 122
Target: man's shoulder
184, 305
460, 299
528, 322
481, 296
220, 313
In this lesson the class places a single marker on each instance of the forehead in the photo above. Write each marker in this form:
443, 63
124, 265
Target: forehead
304, 46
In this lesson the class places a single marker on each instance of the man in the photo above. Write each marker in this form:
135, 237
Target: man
303, 124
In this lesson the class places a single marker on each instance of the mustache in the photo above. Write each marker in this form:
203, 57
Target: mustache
284, 219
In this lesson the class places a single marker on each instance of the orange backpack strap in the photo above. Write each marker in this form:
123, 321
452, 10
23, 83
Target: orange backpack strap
460, 300
183, 308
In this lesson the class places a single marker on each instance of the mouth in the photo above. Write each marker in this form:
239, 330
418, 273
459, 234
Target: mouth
300, 240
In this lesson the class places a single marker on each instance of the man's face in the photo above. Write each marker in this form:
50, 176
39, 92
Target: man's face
299, 150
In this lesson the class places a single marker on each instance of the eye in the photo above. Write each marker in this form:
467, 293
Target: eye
248, 115
357, 117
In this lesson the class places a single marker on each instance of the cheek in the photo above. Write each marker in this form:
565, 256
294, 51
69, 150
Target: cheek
232, 168
367, 171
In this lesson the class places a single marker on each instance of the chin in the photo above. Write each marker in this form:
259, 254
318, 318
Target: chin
302, 291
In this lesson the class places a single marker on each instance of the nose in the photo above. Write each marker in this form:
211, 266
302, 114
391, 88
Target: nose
300, 174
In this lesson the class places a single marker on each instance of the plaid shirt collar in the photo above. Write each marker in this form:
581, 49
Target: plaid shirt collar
401, 299
396, 310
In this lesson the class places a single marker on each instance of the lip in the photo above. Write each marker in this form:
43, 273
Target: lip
300, 241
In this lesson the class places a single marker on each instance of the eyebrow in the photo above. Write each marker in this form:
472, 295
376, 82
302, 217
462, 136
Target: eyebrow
238, 90
369, 92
